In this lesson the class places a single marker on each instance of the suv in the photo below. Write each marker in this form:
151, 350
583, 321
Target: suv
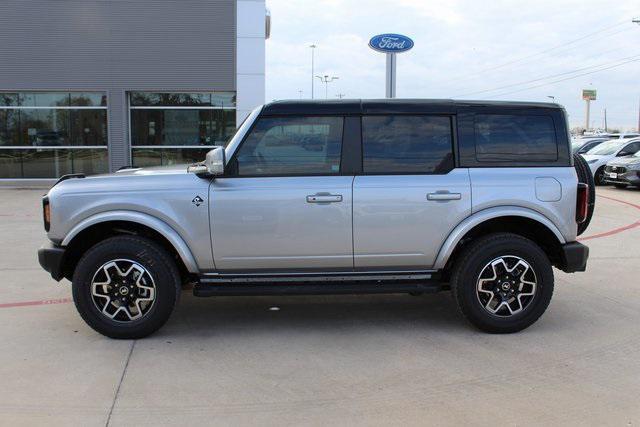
344, 197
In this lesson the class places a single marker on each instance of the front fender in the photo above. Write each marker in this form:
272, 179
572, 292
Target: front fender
132, 216
485, 215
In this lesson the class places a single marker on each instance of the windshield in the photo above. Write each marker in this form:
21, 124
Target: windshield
606, 148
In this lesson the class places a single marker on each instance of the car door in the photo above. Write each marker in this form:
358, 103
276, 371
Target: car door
409, 196
285, 202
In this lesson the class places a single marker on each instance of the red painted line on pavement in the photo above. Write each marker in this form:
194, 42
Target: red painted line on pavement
615, 230
40, 302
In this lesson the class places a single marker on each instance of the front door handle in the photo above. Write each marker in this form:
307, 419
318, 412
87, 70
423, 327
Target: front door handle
444, 196
324, 198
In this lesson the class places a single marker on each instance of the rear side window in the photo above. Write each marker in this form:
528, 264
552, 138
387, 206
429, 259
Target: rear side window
291, 146
406, 144
520, 138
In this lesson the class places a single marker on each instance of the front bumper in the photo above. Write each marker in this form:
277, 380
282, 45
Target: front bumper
51, 258
631, 177
574, 257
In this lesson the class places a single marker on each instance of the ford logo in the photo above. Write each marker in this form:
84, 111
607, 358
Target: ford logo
390, 43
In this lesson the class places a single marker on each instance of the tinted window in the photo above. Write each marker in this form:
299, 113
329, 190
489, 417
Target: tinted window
518, 138
630, 149
292, 146
406, 144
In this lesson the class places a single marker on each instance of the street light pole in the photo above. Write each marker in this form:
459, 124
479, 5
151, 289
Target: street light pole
326, 80
313, 49
552, 98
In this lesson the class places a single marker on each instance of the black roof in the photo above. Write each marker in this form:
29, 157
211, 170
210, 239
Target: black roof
381, 106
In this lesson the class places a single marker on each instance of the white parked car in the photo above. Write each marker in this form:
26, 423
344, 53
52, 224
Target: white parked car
598, 157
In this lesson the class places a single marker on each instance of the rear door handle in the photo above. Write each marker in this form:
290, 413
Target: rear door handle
324, 198
444, 196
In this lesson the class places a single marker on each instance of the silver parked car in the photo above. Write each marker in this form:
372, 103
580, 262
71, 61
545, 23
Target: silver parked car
393, 196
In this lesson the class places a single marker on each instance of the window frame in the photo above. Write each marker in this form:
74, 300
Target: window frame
349, 132
454, 143
467, 137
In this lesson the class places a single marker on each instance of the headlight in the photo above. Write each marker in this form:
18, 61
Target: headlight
592, 161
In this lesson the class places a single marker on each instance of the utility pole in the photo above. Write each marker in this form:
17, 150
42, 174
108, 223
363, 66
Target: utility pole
326, 80
605, 120
300, 92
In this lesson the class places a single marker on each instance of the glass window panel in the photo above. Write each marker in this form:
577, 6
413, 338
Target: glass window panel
88, 99
44, 99
9, 127
42, 163
224, 99
89, 161
9, 99
292, 146
183, 156
143, 99
407, 144
176, 127
88, 127
501, 137
10, 164
223, 126
44, 128
146, 157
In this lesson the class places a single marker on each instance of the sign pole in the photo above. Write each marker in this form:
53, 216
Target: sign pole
391, 76
588, 111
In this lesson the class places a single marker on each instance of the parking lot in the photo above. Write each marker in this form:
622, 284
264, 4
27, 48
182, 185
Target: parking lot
326, 360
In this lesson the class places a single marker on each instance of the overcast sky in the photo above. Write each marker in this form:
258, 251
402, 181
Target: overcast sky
464, 49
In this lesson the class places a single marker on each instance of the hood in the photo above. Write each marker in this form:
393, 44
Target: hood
134, 179
630, 160
589, 157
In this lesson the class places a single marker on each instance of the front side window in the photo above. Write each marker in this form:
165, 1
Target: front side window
291, 146
406, 144
520, 138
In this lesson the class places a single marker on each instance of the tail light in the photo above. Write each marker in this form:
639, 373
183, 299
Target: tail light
582, 203
46, 213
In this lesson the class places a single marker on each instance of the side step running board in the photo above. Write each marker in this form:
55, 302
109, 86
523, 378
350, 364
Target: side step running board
236, 289
370, 282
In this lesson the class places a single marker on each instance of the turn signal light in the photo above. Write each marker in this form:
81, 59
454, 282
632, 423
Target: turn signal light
46, 214
582, 203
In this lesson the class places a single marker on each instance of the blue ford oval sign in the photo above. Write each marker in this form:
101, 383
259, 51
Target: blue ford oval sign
390, 43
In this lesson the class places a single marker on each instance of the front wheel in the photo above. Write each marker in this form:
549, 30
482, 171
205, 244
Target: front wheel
126, 287
620, 185
502, 283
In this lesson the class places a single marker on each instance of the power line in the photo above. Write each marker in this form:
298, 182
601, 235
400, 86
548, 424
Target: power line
567, 78
558, 46
533, 55
545, 77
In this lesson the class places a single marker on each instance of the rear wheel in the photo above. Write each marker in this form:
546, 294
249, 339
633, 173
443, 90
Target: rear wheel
126, 287
502, 283
599, 176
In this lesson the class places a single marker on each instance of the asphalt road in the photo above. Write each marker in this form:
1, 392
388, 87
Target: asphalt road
329, 360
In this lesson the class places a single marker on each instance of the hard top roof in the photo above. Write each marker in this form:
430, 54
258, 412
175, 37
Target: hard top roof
380, 106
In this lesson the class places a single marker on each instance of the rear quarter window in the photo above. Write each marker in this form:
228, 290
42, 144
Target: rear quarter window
515, 138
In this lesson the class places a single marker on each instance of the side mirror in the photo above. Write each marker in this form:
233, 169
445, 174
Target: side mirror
213, 164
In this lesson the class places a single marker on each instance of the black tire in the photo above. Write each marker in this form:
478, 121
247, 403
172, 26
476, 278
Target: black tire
143, 252
599, 177
620, 185
472, 262
585, 177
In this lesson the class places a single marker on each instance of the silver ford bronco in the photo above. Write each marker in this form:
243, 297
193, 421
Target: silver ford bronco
345, 197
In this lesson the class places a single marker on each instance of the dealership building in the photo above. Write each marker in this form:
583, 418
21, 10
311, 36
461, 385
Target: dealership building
90, 86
